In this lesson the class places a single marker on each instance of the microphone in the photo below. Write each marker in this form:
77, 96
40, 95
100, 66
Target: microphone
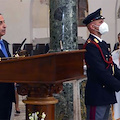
19, 48
20, 52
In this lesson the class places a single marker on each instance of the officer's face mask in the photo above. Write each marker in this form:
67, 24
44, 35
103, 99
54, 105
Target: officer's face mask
103, 28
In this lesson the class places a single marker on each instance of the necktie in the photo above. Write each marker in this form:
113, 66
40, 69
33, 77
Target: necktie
3, 48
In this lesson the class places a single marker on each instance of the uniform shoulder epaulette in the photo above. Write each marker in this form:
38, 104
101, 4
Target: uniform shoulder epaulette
88, 41
96, 40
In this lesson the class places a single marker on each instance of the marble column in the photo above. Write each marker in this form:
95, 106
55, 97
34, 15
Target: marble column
63, 25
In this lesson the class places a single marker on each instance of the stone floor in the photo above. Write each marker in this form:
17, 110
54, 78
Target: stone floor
20, 116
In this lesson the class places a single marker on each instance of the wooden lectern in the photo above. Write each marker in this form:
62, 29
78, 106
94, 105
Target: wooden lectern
42, 75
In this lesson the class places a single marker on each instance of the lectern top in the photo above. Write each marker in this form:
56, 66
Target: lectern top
45, 68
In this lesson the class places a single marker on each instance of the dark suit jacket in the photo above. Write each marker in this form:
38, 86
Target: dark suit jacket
7, 92
101, 84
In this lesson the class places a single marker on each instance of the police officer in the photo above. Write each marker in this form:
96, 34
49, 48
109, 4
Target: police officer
103, 76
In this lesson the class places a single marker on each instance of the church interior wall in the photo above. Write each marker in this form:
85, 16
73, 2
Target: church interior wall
30, 19
17, 17
40, 16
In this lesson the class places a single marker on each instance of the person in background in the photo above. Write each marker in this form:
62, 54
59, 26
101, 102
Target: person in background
17, 110
103, 76
7, 92
116, 59
117, 45
116, 106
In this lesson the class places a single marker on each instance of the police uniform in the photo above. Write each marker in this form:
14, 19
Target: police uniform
103, 76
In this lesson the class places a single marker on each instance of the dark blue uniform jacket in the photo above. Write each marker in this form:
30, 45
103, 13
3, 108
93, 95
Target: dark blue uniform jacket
101, 83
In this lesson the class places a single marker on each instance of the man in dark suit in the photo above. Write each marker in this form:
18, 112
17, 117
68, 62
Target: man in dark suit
7, 93
103, 76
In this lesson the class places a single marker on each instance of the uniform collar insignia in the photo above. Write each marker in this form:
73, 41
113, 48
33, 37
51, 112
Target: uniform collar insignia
96, 40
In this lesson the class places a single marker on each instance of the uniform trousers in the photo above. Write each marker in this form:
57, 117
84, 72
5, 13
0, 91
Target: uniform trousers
98, 112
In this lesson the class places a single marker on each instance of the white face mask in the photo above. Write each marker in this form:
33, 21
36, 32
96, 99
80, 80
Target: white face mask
103, 28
